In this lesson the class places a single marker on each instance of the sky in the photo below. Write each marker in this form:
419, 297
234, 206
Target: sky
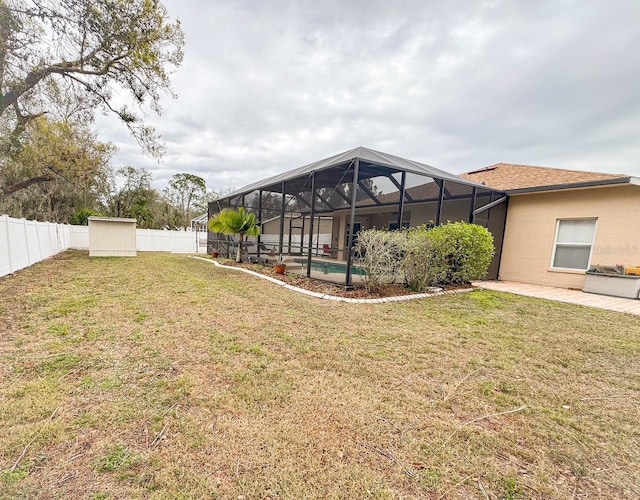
268, 86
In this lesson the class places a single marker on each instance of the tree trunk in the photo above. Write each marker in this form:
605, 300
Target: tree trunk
25, 184
239, 254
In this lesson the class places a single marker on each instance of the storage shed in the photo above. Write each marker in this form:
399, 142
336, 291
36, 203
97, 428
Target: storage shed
112, 237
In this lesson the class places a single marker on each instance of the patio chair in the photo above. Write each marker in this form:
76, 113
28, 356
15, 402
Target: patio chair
327, 251
268, 250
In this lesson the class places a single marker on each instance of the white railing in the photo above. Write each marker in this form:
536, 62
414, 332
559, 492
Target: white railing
25, 242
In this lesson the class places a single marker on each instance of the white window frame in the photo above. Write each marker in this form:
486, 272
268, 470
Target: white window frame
591, 245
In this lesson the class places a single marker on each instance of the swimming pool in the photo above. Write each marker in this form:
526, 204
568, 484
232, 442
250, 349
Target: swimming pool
331, 267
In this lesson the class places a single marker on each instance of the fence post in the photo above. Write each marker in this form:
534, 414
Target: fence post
53, 238
30, 261
5, 219
39, 245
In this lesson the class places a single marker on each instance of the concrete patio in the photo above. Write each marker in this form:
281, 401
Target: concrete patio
630, 306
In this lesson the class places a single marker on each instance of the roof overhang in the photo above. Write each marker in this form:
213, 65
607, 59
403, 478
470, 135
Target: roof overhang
578, 185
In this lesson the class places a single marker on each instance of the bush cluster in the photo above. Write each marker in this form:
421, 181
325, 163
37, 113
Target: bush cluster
452, 253
380, 254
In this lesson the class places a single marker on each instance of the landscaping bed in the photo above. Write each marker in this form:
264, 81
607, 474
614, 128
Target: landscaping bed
319, 286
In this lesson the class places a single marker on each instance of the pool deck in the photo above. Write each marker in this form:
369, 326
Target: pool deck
629, 306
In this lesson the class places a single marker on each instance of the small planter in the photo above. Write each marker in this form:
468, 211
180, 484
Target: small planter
279, 268
615, 285
214, 255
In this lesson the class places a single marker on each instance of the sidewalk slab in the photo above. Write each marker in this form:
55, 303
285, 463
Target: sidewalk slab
617, 304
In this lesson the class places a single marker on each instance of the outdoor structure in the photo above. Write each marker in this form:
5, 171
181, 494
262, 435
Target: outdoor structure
562, 222
200, 223
112, 237
353, 191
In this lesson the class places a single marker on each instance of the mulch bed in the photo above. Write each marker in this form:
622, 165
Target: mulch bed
319, 286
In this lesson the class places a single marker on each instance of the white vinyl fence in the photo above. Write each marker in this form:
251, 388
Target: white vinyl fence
154, 240
25, 242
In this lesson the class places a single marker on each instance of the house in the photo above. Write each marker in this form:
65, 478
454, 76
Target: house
549, 225
356, 190
560, 222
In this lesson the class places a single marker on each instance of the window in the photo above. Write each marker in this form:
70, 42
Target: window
574, 241
393, 220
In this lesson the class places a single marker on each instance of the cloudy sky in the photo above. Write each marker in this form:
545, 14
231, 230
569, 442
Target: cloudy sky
267, 86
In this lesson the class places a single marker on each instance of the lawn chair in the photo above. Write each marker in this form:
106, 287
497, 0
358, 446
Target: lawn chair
268, 250
327, 251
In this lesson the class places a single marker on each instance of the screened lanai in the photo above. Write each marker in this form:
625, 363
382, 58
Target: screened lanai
310, 217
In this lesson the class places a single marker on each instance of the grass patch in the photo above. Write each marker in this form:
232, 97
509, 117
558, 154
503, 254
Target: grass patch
117, 459
213, 383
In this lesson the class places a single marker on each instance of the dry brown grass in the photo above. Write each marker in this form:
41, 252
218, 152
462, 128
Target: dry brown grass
172, 378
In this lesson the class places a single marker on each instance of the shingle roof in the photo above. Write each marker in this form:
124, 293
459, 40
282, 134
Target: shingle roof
524, 178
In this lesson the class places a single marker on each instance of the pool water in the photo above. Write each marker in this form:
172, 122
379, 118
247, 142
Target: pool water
331, 267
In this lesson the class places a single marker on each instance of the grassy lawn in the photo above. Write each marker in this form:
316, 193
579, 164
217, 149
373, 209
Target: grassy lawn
163, 376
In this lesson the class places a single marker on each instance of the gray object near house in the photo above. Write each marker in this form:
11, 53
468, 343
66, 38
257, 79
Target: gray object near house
614, 285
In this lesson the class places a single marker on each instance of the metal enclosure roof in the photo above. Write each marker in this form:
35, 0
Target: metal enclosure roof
367, 155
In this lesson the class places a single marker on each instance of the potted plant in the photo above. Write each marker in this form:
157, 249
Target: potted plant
279, 267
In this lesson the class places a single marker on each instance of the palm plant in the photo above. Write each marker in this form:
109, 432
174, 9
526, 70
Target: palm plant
236, 222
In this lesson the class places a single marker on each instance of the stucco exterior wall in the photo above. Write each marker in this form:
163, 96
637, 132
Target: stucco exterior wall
111, 237
273, 226
452, 210
531, 228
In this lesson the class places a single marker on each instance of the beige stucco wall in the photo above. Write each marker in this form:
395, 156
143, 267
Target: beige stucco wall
454, 211
111, 237
273, 226
531, 226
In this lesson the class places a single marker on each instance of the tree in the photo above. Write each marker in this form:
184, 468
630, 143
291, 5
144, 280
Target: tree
81, 217
57, 168
136, 197
73, 56
187, 193
235, 222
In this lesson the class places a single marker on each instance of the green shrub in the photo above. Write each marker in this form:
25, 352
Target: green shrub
460, 252
417, 260
454, 253
81, 216
380, 254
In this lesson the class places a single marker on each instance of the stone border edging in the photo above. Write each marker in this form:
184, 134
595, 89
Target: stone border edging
325, 296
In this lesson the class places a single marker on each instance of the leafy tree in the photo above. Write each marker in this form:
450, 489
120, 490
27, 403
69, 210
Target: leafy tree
236, 222
187, 193
136, 197
74, 56
216, 194
51, 150
81, 217
57, 168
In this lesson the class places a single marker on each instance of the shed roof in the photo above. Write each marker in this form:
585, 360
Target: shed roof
94, 218
514, 179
